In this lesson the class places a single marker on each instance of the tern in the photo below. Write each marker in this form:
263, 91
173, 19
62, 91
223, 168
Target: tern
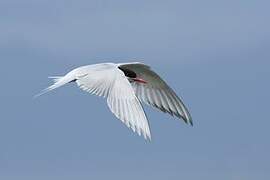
126, 85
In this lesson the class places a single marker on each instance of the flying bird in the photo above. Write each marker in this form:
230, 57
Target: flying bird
125, 86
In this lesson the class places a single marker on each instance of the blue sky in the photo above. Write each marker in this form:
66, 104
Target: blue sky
215, 54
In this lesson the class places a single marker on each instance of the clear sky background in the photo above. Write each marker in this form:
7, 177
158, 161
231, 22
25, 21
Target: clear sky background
215, 54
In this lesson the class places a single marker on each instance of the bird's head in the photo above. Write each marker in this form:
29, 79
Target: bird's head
132, 76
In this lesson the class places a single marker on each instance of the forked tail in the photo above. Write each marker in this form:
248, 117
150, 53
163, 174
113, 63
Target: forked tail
58, 82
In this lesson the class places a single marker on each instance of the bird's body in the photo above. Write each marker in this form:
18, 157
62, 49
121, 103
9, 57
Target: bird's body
125, 86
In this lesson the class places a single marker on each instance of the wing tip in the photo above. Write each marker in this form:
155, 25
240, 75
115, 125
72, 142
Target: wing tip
148, 137
188, 120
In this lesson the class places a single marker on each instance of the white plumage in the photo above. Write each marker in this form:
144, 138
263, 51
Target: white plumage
125, 86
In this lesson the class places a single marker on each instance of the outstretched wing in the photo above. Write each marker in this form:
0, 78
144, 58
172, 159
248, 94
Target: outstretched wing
156, 92
111, 82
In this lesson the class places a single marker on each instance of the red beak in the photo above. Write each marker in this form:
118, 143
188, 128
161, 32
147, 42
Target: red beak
139, 80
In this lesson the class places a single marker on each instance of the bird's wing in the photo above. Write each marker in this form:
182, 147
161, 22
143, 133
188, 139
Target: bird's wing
121, 98
156, 92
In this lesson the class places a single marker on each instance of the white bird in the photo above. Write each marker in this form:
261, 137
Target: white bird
125, 86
